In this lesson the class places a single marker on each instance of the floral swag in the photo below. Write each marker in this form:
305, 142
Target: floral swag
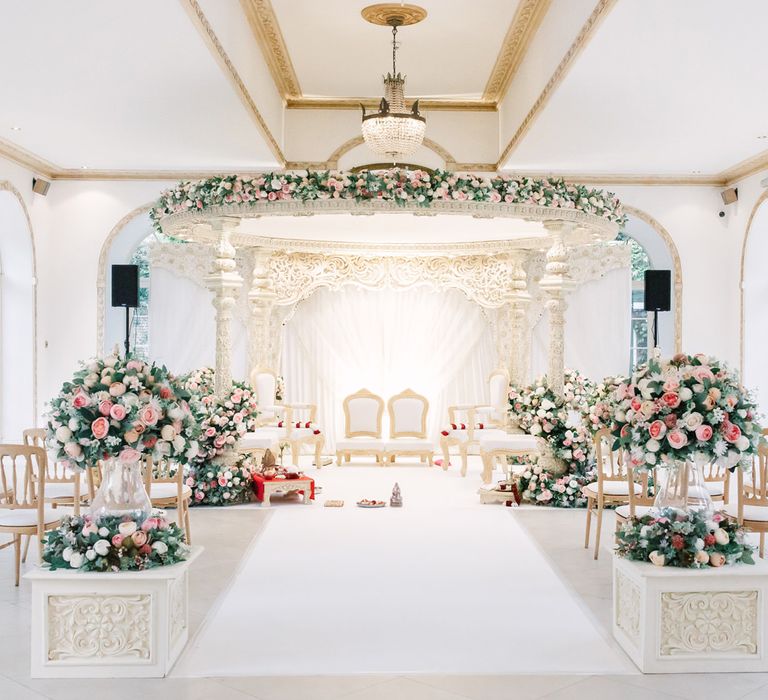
403, 187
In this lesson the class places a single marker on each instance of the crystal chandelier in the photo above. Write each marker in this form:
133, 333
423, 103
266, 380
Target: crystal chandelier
394, 131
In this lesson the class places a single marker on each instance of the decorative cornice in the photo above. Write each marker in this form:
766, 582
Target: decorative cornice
579, 43
26, 159
745, 168
266, 30
620, 178
204, 27
373, 103
521, 31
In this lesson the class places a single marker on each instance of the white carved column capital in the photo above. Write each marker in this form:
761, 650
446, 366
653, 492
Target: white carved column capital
224, 281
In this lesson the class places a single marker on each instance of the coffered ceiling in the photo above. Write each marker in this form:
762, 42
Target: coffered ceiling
603, 90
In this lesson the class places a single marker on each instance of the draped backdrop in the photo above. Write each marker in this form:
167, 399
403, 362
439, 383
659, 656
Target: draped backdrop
436, 342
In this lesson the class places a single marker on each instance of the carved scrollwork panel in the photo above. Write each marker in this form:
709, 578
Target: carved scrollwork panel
627, 607
99, 626
178, 609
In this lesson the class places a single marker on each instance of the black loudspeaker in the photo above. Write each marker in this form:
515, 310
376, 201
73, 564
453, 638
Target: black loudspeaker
657, 290
125, 285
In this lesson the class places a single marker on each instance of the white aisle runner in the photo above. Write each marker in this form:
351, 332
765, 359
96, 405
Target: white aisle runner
443, 585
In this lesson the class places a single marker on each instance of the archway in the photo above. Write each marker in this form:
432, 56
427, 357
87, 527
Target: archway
18, 317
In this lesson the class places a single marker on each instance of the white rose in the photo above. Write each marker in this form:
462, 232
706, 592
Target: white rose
110, 361
103, 532
66, 555
179, 443
650, 458
227, 474
101, 547
160, 547
701, 557
535, 429
168, 433
699, 544
63, 433
693, 421
721, 536
226, 495
175, 413
742, 443
685, 394
90, 555
73, 423
653, 445
127, 528
76, 560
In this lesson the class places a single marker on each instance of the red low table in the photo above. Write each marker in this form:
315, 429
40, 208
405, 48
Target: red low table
264, 488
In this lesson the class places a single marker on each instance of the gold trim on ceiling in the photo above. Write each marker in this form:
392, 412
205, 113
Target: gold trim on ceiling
373, 103
385, 13
266, 30
26, 159
579, 44
204, 27
744, 168
523, 28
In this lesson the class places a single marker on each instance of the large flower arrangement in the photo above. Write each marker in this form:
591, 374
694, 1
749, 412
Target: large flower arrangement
126, 408
223, 420
114, 543
403, 187
602, 402
563, 421
690, 540
685, 407
221, 484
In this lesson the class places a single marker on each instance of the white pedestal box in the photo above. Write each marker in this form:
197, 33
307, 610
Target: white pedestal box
672, 620
109, 625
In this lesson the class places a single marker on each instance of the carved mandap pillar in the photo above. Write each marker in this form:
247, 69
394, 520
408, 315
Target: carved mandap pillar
224, 281
519, 301
556, 284
261, 298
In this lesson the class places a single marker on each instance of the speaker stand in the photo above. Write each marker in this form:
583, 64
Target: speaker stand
127, 330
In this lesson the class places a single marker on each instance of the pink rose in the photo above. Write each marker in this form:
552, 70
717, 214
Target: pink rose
731, 432
677, 439
703, 433
210, 432
636, 404
670, 421
134, 364
105, 407
128, 455
139, 538
222, 481
218, 443
199, 495
100, 428
165, 392
671, 399
190, 481
671, 385
149, 415
131, 436
149, 524
117, 540
118, 412
703, 372
81, 400
145, 549
657, 429
150, 441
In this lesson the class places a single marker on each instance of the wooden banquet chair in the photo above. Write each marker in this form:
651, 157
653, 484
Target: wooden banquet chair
363, 413
23, 511
164, 482
751, 509
471, 419
408, 427
640, 500
63, 486
611, 488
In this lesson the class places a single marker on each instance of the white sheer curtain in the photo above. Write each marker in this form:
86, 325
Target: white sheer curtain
597, 328
437, 343
182, 325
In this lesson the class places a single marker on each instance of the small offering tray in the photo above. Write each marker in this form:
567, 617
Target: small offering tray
365, 503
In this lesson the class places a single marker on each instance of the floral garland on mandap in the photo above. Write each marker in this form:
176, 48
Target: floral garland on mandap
219, 476
564, 423
396, 185
684, 408
123, 408
689, 540
114, 543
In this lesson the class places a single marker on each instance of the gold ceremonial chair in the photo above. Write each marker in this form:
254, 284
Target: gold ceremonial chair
751, 511
640, 500
164, 481
611, 488
63, 486
23, 471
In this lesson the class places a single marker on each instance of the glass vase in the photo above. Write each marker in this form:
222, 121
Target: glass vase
122, 491
681, 485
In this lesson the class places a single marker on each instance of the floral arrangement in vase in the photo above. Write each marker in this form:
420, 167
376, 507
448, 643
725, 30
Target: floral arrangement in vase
401, 186
121, 408
220, 484
223, 420
689, 540
542, 488
687, 408
602, 402
114, 543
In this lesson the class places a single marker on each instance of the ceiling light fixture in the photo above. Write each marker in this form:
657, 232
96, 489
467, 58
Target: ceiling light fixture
394, 130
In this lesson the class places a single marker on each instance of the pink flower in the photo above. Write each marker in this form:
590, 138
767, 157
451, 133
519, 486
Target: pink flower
199, 495
129, 455
677, 439
210, 432
222, 481
671, 399
671, 420
149, 415
145, 549
105, 407
731, 432
81, 400
190, 481
100, 428
149, 524
704, 432
116, 389
657, 429
703, 372
118, 412
117, 540
671, 385
165, 392
134, 364
139, 538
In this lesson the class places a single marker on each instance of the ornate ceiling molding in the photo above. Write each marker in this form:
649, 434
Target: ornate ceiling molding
373, 103
579, 43
524, 26
743, 169
26, 159
266, 31
204, 27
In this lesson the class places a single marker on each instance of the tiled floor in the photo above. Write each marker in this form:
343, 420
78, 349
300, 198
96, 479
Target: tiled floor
227, 533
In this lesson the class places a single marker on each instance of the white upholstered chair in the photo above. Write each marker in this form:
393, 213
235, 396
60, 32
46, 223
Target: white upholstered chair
264, 383
408, 427
468, 422
363, 412
298, 429
496, 447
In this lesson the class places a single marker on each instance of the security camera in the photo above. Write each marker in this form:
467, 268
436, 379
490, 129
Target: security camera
721, 214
